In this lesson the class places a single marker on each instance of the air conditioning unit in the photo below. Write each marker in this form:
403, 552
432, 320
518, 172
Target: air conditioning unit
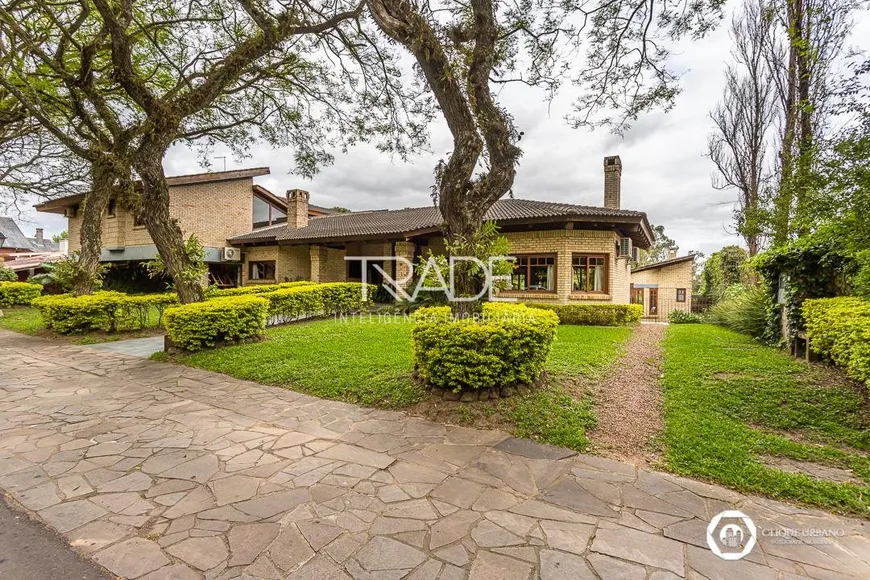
635, 254
625, 247
231, 254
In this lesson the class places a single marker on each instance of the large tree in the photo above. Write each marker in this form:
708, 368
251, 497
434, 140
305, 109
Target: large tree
744, 123
465, 50
141, 75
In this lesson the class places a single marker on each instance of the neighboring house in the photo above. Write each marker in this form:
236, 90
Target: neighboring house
13, 241
213, 206
24, 255
664, 286
565, 252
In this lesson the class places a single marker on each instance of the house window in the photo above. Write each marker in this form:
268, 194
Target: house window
138, 222
261, 270
110, 209
534, 273
681, 294
589, 273
636, 295
266, 214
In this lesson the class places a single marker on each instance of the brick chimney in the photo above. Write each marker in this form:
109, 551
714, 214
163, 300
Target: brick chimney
39, 236
612, 181
297, 208
672, 254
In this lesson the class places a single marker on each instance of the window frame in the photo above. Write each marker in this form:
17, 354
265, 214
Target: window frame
606, 287
112, 208
272, 208
528, 266
251, 265
679, 291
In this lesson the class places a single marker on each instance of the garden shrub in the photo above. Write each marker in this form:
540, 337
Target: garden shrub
344, 297
506, 345
292, 303
228, 319
7, 274
101, 311
839, 329
744, 310
18, 293
258, 288
595, 314
683, 317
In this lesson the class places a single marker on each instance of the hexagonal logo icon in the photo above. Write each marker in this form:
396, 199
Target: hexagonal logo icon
731, 535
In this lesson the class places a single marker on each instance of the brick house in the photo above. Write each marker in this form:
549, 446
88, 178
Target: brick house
664, 286
213, 206
565, 253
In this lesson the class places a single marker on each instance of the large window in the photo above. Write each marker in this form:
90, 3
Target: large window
589, 273
264, 270
266, 214
534, 273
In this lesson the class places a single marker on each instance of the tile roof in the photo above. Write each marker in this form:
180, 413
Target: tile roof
28, 261
404, 221
14, 238
664, 263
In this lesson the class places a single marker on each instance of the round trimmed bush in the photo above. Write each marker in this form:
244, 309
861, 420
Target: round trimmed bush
506, 345
205, 324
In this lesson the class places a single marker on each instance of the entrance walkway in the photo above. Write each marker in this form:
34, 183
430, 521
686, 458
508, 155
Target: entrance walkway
138, 347
160, 471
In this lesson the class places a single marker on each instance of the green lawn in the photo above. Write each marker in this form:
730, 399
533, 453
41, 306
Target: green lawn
23, 320
730, 401
371, 364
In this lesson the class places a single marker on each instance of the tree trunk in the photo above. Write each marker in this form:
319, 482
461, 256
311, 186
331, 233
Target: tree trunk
91, 234
164, 230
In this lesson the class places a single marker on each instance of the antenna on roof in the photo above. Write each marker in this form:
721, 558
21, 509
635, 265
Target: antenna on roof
224, 157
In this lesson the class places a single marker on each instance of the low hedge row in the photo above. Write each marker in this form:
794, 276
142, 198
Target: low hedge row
839, 329
226, 319
18, 293
101, 311
259, 288
595, 314
508, 344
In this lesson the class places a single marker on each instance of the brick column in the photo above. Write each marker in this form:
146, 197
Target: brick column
318, 262
403, 250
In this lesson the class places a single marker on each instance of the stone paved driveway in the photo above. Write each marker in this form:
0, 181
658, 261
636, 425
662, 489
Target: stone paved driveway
163, 472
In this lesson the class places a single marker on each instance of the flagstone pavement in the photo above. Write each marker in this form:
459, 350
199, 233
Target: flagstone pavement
162, 472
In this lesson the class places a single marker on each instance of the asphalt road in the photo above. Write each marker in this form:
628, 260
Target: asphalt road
31, 551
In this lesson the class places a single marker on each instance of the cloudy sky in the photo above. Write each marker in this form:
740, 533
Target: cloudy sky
664, 172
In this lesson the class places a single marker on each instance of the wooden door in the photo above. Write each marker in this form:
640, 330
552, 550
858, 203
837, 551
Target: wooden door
653, 301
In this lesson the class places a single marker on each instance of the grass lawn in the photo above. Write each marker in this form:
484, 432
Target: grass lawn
730, 402
371, 364
28, 321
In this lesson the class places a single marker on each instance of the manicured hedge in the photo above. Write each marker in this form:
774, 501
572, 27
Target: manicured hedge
205, 324
293, 303
839, 329
101, 311
595, 314
259, 288
508, 344
18, 293
343, 297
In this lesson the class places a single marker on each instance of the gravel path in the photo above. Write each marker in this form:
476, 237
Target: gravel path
628, 399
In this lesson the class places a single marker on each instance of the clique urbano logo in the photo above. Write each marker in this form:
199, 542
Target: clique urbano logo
731, 535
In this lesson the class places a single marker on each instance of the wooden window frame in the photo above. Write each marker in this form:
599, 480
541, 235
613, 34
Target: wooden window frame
633, 293
271, 221
683, 292
555, 257
267, 262
606, 257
